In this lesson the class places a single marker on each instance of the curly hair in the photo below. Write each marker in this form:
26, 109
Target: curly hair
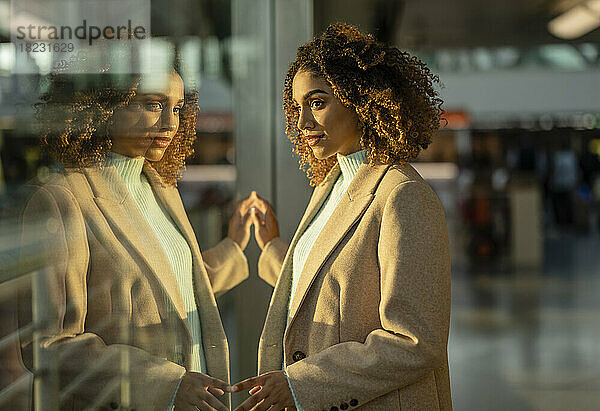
392, 93
75, 120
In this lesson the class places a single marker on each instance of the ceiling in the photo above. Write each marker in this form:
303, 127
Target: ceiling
415, 24
435, 24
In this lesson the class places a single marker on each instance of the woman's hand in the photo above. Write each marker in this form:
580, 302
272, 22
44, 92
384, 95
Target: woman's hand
239, 225
197, 392
268, 390
253, 210
265, 223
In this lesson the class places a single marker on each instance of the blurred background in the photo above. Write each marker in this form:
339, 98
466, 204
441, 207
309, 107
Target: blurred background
517, 167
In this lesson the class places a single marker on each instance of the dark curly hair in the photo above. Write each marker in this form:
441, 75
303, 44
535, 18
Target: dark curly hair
75, 114
391, 91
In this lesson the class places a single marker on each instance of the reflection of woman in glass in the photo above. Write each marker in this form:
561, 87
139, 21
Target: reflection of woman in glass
360, 312
127, 284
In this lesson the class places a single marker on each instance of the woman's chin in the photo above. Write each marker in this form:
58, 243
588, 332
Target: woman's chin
155, 154
320, 153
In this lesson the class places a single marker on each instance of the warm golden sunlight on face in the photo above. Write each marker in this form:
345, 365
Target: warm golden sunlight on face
146, 127
328, 126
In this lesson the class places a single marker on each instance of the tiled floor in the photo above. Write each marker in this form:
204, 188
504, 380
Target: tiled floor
529, 340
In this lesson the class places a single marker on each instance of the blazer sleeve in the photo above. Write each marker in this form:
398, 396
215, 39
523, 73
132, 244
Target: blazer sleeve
414, 310
271, 260
226, 265
53, 214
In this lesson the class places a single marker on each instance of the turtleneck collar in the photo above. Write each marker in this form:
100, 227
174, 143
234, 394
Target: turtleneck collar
349, 164
130, 169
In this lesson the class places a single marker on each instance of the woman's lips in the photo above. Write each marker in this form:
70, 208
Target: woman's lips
314, 140
161, 142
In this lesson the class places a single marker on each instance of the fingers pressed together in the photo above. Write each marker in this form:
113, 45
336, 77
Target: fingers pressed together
197, 391
270, 390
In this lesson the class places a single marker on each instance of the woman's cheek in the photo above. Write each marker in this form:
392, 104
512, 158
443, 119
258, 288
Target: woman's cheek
124, 120
320, 117
148, 119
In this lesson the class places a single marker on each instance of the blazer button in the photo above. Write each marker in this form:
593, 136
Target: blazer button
114, 405
344, 406
354, 403
298, 355
334, 408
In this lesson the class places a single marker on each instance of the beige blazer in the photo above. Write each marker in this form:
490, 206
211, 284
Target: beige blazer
369, 321
110, 285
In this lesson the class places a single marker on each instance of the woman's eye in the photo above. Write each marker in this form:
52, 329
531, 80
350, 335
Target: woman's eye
153, 106
316, 104
177, 110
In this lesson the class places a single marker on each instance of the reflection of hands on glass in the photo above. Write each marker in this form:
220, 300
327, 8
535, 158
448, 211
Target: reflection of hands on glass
239, 225
267, 390
265, 223
197, 392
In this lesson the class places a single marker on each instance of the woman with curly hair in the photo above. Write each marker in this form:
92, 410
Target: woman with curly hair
127, 285
359, 315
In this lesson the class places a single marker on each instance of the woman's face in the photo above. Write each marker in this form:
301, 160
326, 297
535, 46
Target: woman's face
147, 125
327, 125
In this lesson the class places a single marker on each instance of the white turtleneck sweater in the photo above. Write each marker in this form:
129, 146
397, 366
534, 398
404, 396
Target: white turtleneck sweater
173, 243
349, 166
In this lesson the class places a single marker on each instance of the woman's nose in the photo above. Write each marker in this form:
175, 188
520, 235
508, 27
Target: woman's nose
169, 121
305, 120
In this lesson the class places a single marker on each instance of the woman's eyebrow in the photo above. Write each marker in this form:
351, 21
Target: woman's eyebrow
160, 96
315, 91
149, 95
310, 93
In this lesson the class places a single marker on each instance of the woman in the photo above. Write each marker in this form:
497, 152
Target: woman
360, 312
126, 283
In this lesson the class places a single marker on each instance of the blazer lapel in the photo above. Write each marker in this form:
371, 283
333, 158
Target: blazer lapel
277, 314
352, 206
214, 341
131, 226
